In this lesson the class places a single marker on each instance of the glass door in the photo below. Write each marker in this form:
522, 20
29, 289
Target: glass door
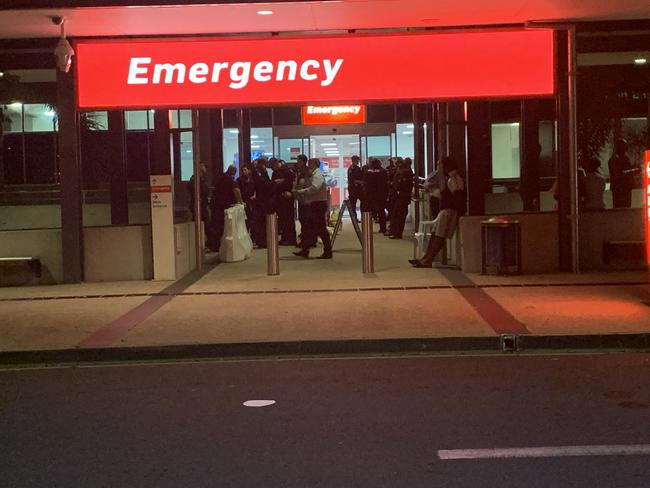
335, 154
289, 149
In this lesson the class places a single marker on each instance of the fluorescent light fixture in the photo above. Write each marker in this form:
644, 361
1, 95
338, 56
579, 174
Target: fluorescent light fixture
253, 136
233, 131
640, 61
407, 132
328, 144
256, 147
188, 150
265, 12
49, 113
410, 126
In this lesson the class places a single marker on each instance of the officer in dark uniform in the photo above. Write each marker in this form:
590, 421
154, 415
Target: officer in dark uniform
402, 188
283, 202
263, 200
247, 189
224, 194
375, 191
355, 183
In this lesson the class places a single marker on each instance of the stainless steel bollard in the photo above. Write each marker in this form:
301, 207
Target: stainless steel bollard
272, 248
367, 243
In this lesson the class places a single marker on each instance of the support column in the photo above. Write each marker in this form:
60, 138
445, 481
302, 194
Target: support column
431, 148
479, 155
70, 167
244, 137
119, 178
419, 119
161, 162
567, 174
216, 147
456, 132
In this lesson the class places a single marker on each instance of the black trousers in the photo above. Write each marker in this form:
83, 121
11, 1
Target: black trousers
286, 222
258, 226
353, 199
316, 227
398, 216
303, 218
622, 198
377, 208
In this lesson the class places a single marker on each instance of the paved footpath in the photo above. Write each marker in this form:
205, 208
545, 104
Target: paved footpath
325, 305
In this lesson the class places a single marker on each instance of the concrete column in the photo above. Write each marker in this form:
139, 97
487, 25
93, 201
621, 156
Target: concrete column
70, 168
244, 137
431, 145
529, 155
456, 132
566, 172
216, 135
119, 177
479, 155
161, 163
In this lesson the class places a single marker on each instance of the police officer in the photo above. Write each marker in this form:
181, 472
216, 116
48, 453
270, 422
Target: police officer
283, 202
263, 198
355, 183
225, 194
402, 188
375, 191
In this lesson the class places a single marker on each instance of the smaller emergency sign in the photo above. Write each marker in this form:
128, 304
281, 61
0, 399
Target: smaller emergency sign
333, 114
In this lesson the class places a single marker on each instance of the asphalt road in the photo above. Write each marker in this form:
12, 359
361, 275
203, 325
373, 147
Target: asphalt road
336, 423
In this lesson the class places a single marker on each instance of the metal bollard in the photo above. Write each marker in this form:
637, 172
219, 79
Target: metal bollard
272, 248
367, 243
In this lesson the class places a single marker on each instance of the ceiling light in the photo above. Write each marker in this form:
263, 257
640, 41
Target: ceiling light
328, 144
233, 131
407, 132
265, 12
640, 61
253, 136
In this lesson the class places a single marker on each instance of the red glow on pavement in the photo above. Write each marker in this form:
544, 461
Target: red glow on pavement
339, 69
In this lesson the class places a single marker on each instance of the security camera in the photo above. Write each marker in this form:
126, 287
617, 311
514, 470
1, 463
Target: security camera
63, 51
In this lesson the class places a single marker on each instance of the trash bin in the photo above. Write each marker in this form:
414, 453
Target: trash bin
500, 246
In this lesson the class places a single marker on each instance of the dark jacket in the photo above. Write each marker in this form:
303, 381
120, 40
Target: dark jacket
375, 185
355, 180
403, 184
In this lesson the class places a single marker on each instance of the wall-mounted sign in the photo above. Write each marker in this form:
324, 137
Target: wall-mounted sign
646, 186
352, 68
333, 114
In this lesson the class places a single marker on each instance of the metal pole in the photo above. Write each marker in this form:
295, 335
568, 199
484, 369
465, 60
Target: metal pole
198, 218
367, 244
272, 248
573, 151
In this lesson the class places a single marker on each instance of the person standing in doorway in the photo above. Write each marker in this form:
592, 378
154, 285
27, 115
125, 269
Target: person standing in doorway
283, 202
402, 188
355, 183
301, 182
224, 195
262, 205
621, 175
247, 189
375, 192
315, 196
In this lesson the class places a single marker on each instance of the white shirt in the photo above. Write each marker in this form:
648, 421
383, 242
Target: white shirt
317, 189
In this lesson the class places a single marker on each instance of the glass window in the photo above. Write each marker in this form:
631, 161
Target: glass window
379, 146
13, 118
505, 151
12, 154
136, 120
187, 158
405, 145
186, 119
38, 117
39, 158
94, 120
230, 147
290, 149
261, 142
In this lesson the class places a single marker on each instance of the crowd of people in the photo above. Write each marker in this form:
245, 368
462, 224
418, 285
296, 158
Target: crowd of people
386, 192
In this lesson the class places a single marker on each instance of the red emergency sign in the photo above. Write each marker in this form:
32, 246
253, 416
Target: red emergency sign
238, 72
333, 114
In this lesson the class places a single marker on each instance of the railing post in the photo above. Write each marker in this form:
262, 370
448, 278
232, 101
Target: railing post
272, 248
367, 243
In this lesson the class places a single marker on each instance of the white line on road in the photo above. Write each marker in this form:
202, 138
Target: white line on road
545, 452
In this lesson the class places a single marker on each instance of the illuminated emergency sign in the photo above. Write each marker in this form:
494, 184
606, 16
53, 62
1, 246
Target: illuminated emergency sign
333, 114
647, 203
150, 73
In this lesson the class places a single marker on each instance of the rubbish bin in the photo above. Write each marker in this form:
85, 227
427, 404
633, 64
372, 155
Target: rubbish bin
500, 246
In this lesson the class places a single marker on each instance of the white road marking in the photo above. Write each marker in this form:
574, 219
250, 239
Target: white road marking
258, 403
546, 452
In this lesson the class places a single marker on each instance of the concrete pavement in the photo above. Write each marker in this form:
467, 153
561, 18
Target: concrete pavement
328, 301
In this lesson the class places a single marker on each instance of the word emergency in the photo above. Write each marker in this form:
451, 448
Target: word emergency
143, 72
334, 109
